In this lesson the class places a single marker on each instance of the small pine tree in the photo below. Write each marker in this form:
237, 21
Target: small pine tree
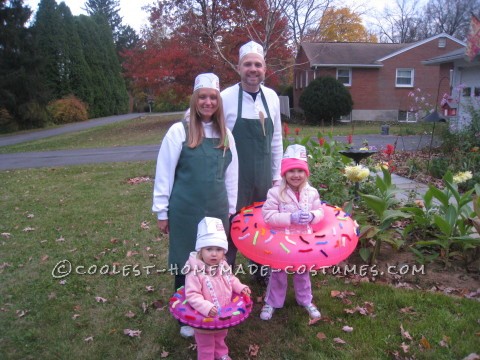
325, 98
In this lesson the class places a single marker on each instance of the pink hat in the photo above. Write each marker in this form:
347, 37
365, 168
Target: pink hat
295, 157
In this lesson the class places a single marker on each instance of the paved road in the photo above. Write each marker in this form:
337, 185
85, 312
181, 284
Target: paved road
143, 153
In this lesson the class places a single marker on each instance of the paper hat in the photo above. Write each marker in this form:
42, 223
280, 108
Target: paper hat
251, 48
211, 233
207, 80
295, 157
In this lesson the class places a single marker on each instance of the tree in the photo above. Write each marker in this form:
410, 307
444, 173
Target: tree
109, 9
401, 23
342, 25
451, 17
325, 98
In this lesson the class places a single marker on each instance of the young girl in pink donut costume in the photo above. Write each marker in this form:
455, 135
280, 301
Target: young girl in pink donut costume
292, 206
209, 285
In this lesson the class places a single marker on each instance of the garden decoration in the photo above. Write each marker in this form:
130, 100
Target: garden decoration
230, 315
331, 240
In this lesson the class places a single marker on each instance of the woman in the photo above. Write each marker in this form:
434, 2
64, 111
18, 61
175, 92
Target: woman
196, 176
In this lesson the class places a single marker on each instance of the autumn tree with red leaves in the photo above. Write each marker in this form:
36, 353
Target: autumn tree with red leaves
186, 38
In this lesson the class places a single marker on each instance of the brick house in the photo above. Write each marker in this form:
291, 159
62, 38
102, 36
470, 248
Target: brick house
379, 76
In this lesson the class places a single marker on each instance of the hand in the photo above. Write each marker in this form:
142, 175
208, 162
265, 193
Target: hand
306, 217
163, 226
213, 311
295, 217
246, 291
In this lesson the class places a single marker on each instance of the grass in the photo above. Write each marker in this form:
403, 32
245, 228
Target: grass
93, 217
149, 130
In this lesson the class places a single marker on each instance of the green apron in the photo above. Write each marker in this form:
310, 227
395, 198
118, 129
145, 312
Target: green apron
199, 190
254, 151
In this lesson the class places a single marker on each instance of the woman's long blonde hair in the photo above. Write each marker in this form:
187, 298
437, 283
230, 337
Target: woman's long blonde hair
195, 129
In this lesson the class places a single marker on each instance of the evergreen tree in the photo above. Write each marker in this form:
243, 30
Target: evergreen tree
20, 89
108, 87
109, 9
325, 98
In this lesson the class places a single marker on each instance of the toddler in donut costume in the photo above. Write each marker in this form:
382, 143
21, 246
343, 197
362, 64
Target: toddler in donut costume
209, 285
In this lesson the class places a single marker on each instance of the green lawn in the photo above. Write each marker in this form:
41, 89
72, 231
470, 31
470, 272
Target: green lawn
96, 219
149, 130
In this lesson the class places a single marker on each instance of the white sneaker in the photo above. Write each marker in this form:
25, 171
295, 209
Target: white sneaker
186, 331
267, 312
313, 311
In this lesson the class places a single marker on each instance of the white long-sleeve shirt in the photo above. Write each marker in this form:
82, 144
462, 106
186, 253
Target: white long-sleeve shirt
167, 162
250, 110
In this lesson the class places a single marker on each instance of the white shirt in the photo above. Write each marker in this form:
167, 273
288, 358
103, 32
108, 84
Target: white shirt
250, 110
167, 162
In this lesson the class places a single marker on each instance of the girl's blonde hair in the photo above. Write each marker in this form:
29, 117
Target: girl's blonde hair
195, 129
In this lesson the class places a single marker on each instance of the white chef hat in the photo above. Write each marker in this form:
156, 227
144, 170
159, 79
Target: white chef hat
207, 80
295, 157
210, 232
251, 48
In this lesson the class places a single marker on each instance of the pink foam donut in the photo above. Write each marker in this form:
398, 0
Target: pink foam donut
230, 315
332, 240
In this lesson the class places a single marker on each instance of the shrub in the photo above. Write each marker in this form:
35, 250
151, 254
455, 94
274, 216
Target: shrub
32, 115
325, 98
7, 123
67, 110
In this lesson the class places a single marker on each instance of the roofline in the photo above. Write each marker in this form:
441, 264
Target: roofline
444, 59
418, 43
349, 65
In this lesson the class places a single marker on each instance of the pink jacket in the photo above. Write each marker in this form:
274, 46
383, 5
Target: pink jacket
196, 290
276, 211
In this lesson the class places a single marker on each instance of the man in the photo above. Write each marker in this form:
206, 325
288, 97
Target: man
252, 113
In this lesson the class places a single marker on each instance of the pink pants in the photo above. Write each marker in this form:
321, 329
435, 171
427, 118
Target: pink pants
211, 345
277, 289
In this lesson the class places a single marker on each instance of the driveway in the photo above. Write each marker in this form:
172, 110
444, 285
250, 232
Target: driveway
145, 152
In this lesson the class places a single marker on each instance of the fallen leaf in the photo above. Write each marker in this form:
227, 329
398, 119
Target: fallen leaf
144, 307
192, 346
321, 336
44, 258
21, 313
405, 347
60, 239
149, 288
88, 339
339, 341
408, 310
6, 235
405, 334
75, 316
334, 293
145, 225
313, 321
445, 342
158, 305
100, 299
472, 356
132, 333
424, 342
347, 328
52, 296
62, 282
164, 354
131, 253
253, 350
130, 314
28, 228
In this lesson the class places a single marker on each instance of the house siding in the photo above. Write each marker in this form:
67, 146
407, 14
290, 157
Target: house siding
373, 90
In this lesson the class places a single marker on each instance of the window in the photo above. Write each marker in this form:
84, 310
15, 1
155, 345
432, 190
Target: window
467, 92
406, 116
404, 78
345, 76
476, 92
345, 118
442, 42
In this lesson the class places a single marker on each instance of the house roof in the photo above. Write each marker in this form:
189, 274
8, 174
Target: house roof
448, 57
327, 54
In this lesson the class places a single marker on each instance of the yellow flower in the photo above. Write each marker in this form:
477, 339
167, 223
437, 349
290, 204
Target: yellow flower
363, 149
462, 177
356, 173
381, 165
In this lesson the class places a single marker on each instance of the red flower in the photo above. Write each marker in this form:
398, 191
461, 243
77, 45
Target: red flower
349, 139
321, 141
286, 129
389, 150
297, 131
